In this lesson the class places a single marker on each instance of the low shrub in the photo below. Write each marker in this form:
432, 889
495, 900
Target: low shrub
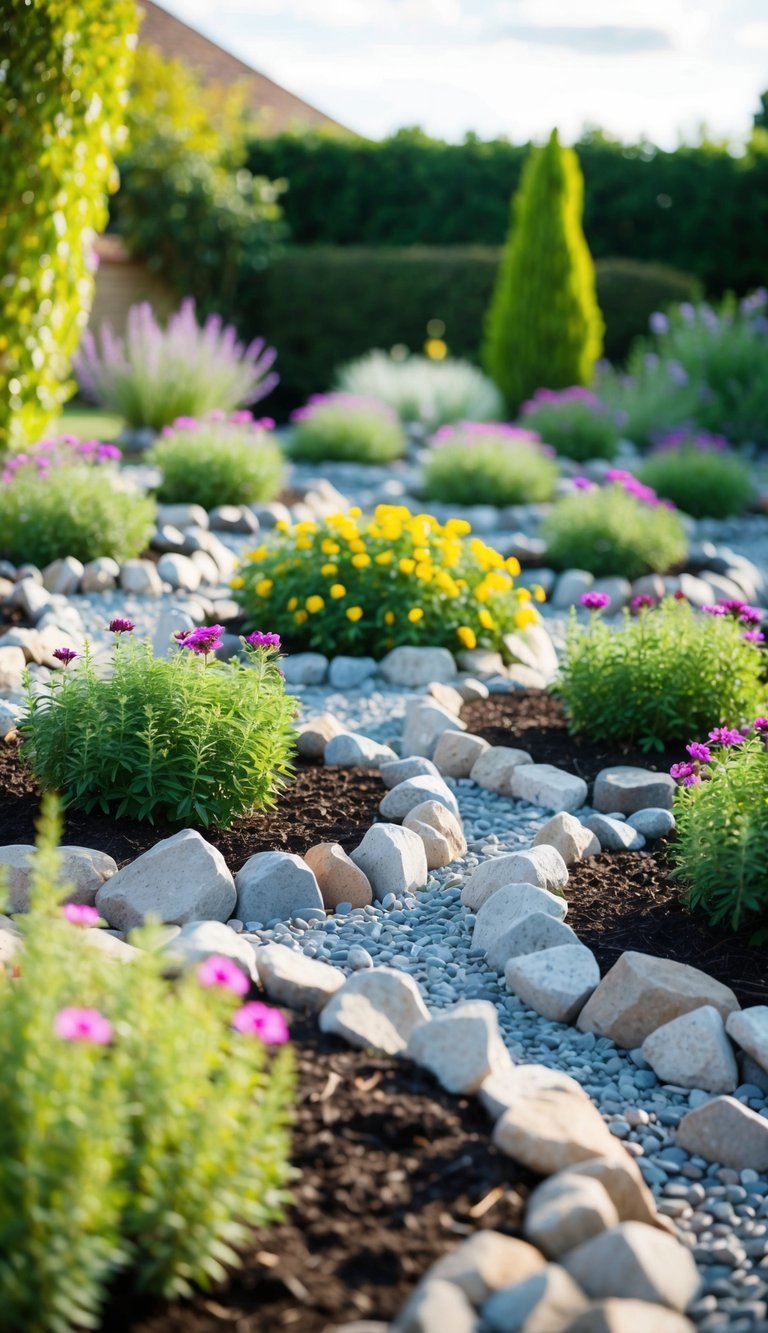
346, 426
154, 375
573, 421
218, 460
659, 677
171, 739
364, 585
488, 463
699, 474
59, 498
433, 393
652, 397
621, 529
124, 1107
721, 808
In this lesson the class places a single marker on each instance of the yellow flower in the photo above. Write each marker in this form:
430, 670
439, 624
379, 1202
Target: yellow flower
354, 512
237, 582
415, 615
292, 603
314, 604
423, 571
421, 553
406, 566
354, 613
329, 547
526, 616
361, 560
498, 582
457, 527
466, 636
281, 525
512, 565
486, 619
300, 617
329, 569
389, 617
306, 525
523, 595
303, 544
384, 557
539, 594
258, 553
482, 592
446, 584
263, 587
356, 545
337, 590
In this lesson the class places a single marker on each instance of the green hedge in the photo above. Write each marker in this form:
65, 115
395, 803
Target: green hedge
322, 305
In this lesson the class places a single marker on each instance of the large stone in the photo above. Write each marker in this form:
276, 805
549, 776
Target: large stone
569, 588
197, 940
727, 1132
350, 749
111, 945
183, 878
12, 664
532, 933
100, 575
568, 835
471, 690
552, 1127
510, 905
542, 866
565, 1211
83, 868
485, 1262
399, 801
348, 673
435, 1307
315, 733
496, 766
555, 982
275, 885
749, 1029
461, 1046
693, 1052
10, 941
338, 878
167, 626
433, 822
393, 859
625, 789
457, 751
378, 1007
635, 1262
640, 993
533, 647
623, 1181
614, 835
33, 599
401, 770
305, 668
182, 515
653, 822
290, 978
445, 695
63, 576
549, 787
502, 1092
424, 724
141, 578
541, 1303
481, 661
417, 667
618, 1316
180, 572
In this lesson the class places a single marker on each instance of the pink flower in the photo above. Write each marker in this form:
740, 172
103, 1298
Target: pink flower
80, 914
595, 601
221, 971
258, 1020
73, 1024
259, 640
64, 655
725, 736
121, 625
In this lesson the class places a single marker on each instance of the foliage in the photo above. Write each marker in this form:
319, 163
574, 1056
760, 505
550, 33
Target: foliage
433, 393
651, 398
544, 326
620, 529
573, 421
659, 677
629, 292
63, 83
721, 851
699, 474
121, 1134
173, 739
365, 585
59, 499
219, 460
154, 375
488, 463
346, 426
170, 103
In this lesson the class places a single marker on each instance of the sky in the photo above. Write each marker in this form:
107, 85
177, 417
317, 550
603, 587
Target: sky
658, 69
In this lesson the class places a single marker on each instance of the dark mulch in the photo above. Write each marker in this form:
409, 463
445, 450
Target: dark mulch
394, 1172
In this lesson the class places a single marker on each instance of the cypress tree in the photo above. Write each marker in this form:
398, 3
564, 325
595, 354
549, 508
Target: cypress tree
544, 327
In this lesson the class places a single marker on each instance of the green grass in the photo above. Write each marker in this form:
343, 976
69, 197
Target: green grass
88, 423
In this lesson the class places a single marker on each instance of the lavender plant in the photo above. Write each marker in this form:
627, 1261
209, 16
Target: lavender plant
699, 474
622, 528
177, 739
218, 460
346, 426
154, 375
573, 421
652, 396
488, 462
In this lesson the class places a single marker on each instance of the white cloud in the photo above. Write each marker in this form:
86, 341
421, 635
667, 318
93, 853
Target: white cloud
754, 36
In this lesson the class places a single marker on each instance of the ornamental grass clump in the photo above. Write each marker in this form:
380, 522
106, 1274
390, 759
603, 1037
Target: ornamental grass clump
431, 393
176, 739
665, 673
143, 1123
61, 497
350, 584
154, 375
346, 426
220, 460
721, 809
699, 474
488, 462
622, 528
573, 421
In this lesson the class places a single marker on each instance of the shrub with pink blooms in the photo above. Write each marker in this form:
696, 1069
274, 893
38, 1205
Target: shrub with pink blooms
183, 738
574, 421
622, 528
143, 1123
346, 426
220, 460
60, 497
488, 462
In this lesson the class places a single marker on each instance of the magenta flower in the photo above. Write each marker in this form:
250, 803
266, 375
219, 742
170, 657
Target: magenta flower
64, 655
258, 1020
583, 484
80, 914
697, 750
725, 736
716, 610
595, 601
753, 636
750, 615
221, 971
761, 725
692, 780
679, 596
682, 771
259, 640
203, 640
642, 600
72, 1024
121, 625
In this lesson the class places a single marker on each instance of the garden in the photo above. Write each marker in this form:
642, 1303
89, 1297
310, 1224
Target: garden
383, 778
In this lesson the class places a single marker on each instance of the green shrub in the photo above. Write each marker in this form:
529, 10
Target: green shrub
432, 393
488, 463
124, 1108
573, 421
164, 739
721, 809
699, 474
218, 461
346, 426
620, 529
544, 327
58, 499
651, 398
359, 585
62, 92
661, 676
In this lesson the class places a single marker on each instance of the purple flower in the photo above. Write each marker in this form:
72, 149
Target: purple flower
691, 780
761, 725
258, 1020
682, 771
716, 610
697, 750
725, 736
595, 601
203, 640
753, 636
658, 322
121, 625
221, 971
80, 914
583, 484
259, 640
73, 1024
643, 599
64, 655
750, 615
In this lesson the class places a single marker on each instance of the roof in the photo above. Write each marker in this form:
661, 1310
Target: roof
278, 108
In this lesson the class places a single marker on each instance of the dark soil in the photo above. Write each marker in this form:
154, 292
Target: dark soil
394, 1172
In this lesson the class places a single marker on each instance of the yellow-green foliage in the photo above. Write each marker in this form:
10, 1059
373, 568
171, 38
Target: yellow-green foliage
169, 103
63, 88
544, 327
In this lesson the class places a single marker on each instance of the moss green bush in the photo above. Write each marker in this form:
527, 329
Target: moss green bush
699, 474
346, 426
488, 463
619, 529
573, 421
218, 461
